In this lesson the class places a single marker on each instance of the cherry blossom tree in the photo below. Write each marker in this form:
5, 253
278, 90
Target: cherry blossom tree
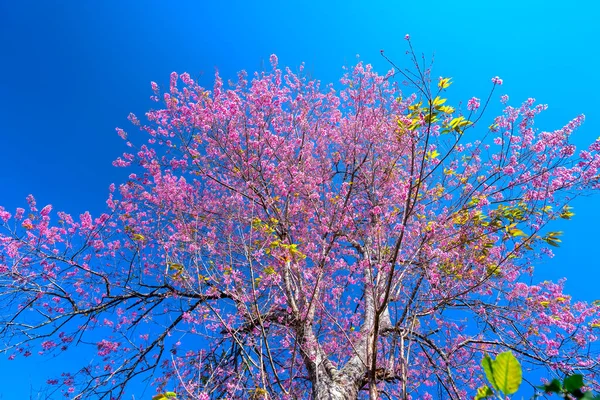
281, 239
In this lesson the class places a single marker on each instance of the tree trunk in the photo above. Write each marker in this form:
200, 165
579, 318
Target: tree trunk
335, 389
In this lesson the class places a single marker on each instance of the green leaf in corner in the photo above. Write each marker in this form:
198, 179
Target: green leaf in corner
589, 396
573, 382
487, 364
507, 373
165, 396
555, 386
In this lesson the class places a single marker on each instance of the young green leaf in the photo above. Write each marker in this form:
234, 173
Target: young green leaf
484, 392
573, 382
488, 368
507, 373
555, 386
165, 396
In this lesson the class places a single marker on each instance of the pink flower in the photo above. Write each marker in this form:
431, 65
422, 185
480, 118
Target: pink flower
105, 347
4, 215
504, 99
86, 220
496, 80
48, 344
133, 119
121, 133
407, 37
185, 78
173, 79
46, 210
119, 162
473, 104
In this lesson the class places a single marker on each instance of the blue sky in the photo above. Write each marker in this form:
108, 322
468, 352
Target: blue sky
71, 72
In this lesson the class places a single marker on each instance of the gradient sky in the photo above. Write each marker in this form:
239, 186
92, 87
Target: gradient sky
71, 71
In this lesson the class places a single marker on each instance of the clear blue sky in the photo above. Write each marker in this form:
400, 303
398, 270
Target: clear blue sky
71, 71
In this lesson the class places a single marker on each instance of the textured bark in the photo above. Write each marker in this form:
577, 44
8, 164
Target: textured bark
329, 382
339, 388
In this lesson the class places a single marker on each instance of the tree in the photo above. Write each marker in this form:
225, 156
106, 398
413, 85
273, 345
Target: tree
281, 240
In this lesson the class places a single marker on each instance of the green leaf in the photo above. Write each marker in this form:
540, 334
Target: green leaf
484, 392
567, 213
553, 387
444, 83
487, 364
515, 232
165, 396
431, 154
589, 396
573, 382
552, 238
507, 373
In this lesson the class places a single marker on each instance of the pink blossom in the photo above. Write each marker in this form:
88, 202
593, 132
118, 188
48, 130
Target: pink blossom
133, 119
496, 80
407, 37
32, 203
105, 347
376, 210
86, 220
508, 170
173, 82
122, 134
4, 215
473, 104
48, 344
119, 162
46, 210
273, 59
280, 205
186, 79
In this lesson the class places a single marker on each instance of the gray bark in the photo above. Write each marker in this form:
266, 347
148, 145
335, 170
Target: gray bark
329, 382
